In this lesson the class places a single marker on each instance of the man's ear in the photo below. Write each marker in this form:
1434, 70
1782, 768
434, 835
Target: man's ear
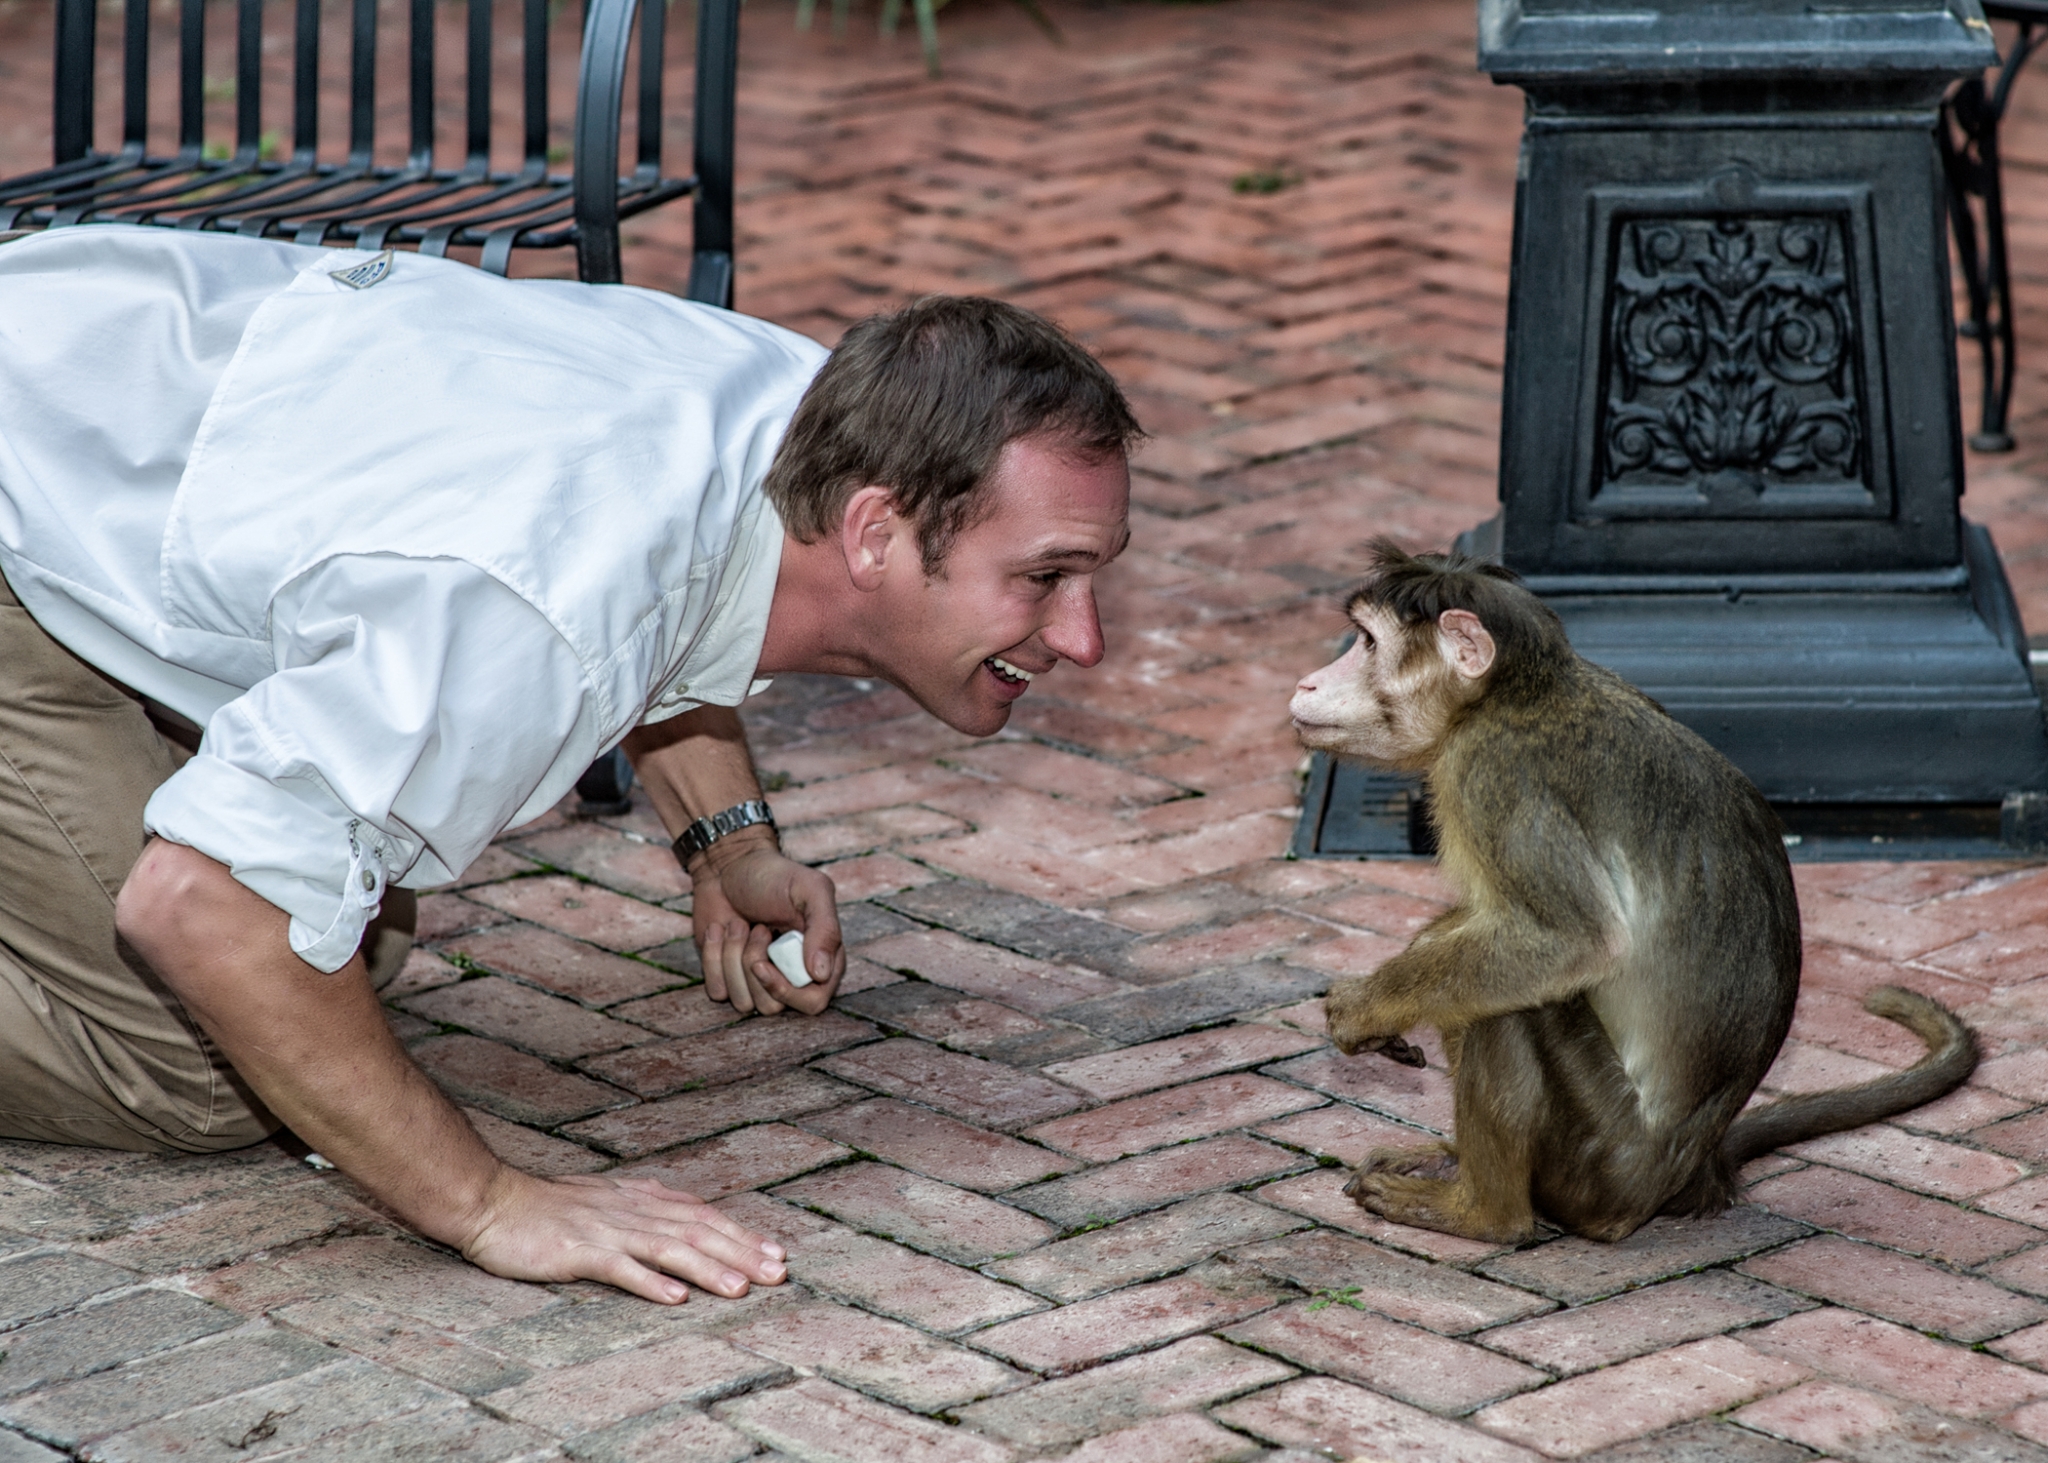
1466, 643
871, 533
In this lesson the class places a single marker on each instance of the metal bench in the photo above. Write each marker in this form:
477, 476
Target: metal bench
353, 199
1969, 153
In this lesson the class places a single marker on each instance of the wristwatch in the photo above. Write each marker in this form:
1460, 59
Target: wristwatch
701, 834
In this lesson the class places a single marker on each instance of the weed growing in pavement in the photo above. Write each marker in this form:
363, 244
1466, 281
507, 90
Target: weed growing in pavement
1348, 1296
1264, 180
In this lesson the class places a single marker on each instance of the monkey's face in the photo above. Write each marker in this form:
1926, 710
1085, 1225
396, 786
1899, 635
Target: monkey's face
1391, 697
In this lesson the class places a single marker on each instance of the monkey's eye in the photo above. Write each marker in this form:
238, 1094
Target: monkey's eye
1365, 638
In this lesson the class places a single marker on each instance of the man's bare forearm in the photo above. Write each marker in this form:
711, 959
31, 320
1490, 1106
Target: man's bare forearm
694, 765
316, 1049
314, 1046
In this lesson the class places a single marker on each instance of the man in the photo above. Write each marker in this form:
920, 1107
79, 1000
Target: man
412, 545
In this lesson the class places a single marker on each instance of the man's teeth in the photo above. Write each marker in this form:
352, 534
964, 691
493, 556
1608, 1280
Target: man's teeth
1003, 667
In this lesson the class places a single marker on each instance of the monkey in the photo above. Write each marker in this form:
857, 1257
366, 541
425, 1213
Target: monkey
1621, 961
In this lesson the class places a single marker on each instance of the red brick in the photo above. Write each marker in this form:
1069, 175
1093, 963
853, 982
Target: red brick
1995, 957
1179, 1059
1416, 1366
395, 1275
967, 1087
1132, 1184
1343, 1132
644, 870
866, 833
1195, 1110
511, 1083
1588, 1412
403, 1343
495, 1007
586, 912
885, 1358
1577, 1270
1885, 1358
942, 1147
2021, 1074
634, 1132
923, 1213
1134, 1319
1878, 929
1140, 1249
970, 1025
876, 1275
1270, 933
530, 1151
421, 972
2026, 1202
2026, 1271
1966, 1110
1397, 916
575, 1399
1184, 1437
679, 1013
1319, 1194
1864, 1209
884, 787
1326, 1418
568, 967
816, 1420
1418, 1095
987, 971
1065, 776
1640, 1321
442, 915
749, 1158
856, 879
1438, 1297
1844, 1421
730, 1054
1190, 1373
1803, 1067
1908, 1291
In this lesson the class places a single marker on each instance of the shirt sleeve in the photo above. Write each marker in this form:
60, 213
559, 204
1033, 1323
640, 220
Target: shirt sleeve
419, 707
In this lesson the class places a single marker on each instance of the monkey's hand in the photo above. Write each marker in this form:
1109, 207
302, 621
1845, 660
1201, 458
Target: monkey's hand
1358, 1025
1395, 1049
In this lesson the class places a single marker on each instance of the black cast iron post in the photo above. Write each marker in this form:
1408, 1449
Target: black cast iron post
1744, 496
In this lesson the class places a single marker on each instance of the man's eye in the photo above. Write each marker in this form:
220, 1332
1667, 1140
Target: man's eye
1048, 579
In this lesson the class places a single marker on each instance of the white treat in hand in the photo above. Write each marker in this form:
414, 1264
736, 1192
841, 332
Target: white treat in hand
787, 952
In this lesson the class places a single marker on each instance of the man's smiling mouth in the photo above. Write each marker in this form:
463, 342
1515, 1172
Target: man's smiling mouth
1007, 671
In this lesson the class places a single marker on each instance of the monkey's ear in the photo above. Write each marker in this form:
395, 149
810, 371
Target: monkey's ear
1467, 643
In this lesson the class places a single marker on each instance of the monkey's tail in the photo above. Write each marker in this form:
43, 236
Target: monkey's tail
1951, 1057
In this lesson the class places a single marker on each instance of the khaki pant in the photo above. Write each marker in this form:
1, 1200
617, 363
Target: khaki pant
93, 1048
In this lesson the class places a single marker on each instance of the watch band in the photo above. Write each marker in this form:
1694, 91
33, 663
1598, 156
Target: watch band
701, 834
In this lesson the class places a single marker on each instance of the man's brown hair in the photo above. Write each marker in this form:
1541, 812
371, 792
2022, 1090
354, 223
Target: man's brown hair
922, 401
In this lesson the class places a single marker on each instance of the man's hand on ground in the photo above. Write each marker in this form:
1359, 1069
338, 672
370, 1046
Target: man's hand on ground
741, 897
635, 1233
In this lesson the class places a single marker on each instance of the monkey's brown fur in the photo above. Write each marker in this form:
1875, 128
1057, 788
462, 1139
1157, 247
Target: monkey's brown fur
1621, 964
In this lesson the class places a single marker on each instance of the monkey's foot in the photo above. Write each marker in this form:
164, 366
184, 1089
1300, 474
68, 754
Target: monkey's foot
1426, 1161
1430, 1203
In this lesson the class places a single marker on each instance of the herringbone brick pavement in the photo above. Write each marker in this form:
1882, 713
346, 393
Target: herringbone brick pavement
1060, 1178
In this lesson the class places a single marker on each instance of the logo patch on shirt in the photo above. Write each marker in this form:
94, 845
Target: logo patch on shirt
362, 276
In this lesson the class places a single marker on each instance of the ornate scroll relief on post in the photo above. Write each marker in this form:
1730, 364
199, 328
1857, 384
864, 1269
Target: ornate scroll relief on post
1733, 372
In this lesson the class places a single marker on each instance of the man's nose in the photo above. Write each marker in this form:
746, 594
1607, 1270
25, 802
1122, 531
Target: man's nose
1076, 630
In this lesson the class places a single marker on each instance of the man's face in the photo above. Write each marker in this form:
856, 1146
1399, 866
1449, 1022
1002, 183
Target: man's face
1016, 594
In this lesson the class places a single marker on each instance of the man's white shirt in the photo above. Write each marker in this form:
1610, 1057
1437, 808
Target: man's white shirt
412, 551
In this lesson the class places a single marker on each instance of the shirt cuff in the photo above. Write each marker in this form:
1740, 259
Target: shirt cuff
290, 842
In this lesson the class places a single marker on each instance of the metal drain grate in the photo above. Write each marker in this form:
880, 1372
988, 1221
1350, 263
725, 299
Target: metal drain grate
1352, 811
